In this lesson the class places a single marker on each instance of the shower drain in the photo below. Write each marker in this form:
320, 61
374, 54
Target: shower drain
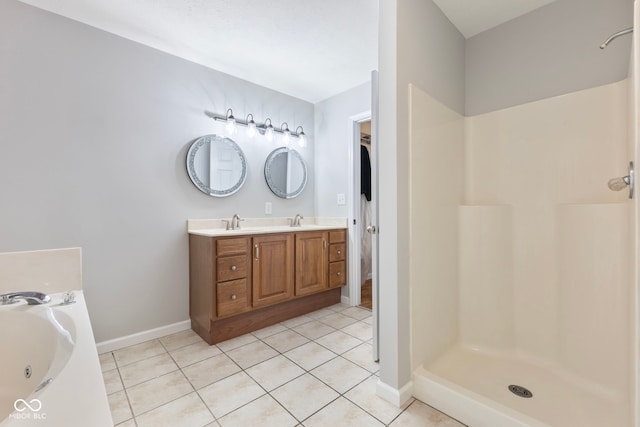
518, 390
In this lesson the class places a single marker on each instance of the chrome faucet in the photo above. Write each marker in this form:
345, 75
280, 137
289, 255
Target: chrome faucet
296, 220
235, 222
32, 298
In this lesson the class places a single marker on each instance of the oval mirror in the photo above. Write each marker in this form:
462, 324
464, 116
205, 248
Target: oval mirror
216, 165
286, 172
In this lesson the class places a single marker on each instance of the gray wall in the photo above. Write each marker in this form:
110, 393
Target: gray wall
94, 131
431, 54
551, 51
418, 45
334, 132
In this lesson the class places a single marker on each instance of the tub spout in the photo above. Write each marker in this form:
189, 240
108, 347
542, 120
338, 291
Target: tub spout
32, 298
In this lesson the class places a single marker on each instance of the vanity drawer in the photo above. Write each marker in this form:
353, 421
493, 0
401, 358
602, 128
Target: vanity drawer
337, 236
337, 252
232, 246
231, 267
337, 274
231, 298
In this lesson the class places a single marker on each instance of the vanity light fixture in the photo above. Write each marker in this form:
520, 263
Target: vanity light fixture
302, 138
284, 128
265, 128
268, 132
231, 122
251, 126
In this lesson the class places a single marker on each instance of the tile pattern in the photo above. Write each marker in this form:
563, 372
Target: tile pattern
313, 370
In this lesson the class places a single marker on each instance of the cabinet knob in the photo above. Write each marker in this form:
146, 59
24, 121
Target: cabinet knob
339, 273
233, 297
339, 252
234, 268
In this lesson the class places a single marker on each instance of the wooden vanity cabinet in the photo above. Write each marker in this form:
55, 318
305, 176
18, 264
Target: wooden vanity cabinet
239, 284
337, 258
232, 276
311, 262
232, 267
272, 269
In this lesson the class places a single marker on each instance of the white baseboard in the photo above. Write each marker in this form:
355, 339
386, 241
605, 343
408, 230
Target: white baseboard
345, 300
393, 395
140, 337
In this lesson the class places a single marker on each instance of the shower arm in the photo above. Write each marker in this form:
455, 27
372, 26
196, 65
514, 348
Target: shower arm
615, 36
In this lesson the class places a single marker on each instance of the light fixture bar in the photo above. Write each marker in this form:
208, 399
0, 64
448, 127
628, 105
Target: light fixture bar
261, 127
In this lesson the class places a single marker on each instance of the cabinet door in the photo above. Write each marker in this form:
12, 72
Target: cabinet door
311, 262
272, 269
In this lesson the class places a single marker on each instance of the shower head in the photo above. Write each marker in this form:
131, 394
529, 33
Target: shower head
617, 184
615, 36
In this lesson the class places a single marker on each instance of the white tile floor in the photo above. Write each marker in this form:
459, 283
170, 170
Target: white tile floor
313, 370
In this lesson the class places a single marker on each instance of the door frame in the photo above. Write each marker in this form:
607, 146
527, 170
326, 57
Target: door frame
355, 230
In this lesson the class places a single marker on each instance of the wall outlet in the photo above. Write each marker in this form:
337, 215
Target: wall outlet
341, 200
267, 208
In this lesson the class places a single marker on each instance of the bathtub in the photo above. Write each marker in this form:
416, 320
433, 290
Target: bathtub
50, 374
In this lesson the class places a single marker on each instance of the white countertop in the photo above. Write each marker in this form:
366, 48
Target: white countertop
216, 227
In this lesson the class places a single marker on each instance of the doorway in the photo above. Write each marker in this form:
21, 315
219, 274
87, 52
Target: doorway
365, 220
363, 207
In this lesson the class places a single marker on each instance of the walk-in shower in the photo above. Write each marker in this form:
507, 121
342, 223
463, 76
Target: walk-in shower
523, 272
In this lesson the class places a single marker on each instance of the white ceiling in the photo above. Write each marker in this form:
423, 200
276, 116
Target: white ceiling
308, 49
472, 17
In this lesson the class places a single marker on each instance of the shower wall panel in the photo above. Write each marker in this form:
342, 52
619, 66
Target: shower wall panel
594, 275
436, 181
486, 277
550, 161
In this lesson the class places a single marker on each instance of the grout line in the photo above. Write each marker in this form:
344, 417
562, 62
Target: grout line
284, 407
215, 419
133, 416
279, 353
320, 409
372, 415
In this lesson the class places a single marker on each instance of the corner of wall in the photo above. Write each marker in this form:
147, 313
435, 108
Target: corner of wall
397, 397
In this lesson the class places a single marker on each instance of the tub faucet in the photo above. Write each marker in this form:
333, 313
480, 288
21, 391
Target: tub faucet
296, 220
32, 298
235, 222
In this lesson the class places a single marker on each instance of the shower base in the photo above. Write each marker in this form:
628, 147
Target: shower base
472, 386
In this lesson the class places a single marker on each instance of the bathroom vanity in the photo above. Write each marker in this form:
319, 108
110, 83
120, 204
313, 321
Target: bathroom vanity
244, 280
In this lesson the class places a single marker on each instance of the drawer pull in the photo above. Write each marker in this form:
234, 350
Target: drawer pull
234, 268
338, 273
339, 252
233, 297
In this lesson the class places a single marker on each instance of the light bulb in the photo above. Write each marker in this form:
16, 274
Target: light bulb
286, 134
231, 122
302, 138
251, 127
231, 126
268, 132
